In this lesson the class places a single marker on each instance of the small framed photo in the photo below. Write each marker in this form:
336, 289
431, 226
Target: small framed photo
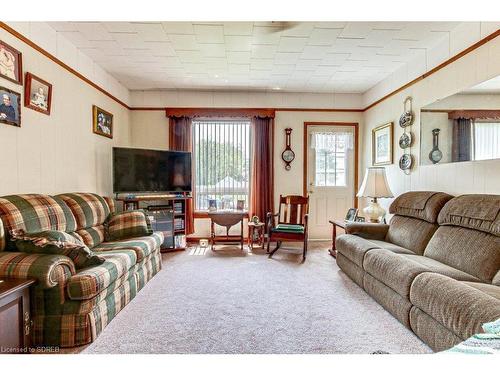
11, 63
360, 219
10, 107
351, 214
37, 94
382, 140
212, 205
240, 204
102, 122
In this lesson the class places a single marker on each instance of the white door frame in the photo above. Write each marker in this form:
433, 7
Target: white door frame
355, 126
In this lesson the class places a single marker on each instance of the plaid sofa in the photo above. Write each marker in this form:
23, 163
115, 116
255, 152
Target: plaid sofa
71, 307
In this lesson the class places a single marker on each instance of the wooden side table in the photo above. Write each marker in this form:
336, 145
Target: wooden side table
226, 219
259, 227
335, 224
15, 318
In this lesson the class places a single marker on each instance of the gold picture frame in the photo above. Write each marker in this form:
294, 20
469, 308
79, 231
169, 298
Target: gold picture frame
382, 144
102, 122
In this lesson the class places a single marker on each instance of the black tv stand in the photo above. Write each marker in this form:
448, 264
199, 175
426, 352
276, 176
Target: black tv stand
168, 214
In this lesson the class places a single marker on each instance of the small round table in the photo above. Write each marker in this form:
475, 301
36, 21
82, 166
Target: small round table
252, 227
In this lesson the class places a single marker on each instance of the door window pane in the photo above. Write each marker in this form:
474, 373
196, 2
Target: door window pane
331, 159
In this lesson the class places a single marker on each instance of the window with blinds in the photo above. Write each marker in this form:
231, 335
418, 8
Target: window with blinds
221, 152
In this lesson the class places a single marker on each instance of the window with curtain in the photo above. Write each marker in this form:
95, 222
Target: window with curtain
221, 150
331, 157
486, 140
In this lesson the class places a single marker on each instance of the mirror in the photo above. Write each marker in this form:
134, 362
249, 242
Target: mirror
462, 127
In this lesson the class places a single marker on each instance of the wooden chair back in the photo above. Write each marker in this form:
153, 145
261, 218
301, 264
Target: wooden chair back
292, 209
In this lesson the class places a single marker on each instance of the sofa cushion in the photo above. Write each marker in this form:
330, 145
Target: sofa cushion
142, 246
89, 282
491, 290
58, 243
34, 213
127, 224
92, 236
353, 247
392, 247
474, 252
89, 209
394, 270
457, 306
410, 233
496, 279
423, 205
442, 269
474, 211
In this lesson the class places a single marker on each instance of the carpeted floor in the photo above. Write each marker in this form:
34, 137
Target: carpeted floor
230, 302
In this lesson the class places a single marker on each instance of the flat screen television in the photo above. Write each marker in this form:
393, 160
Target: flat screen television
139, 170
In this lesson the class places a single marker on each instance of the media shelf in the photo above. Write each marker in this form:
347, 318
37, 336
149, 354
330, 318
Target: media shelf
167, 213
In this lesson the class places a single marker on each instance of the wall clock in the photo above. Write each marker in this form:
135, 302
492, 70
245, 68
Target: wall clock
288, 155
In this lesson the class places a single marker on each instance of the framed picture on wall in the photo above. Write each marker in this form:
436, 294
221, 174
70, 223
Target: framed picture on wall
10, 107
37, 94
102, 122
382, 139
11, 63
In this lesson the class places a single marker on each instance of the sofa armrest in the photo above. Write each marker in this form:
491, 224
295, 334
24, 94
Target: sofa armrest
49, 270
370, 231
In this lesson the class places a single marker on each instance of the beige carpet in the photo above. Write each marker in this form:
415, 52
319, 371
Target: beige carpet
234, 302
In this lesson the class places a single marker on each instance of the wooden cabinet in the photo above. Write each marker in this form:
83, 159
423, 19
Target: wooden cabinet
15, 319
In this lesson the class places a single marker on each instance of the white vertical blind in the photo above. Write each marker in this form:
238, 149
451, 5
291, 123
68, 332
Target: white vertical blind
222, 162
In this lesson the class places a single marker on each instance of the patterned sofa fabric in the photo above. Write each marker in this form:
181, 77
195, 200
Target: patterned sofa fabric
34, 213
143, 246
91, 281
90, 212
50, 270
127, 224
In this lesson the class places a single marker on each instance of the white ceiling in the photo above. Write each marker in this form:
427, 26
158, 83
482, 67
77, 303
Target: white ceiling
348, 57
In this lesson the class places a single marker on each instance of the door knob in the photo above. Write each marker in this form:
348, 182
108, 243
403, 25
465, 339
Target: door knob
310, 191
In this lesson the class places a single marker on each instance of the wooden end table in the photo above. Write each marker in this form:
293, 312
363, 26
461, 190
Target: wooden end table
15, 318
259, 227
335, 224
226, 219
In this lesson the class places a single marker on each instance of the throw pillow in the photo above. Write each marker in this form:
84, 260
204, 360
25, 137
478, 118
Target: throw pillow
128, 224
56, 242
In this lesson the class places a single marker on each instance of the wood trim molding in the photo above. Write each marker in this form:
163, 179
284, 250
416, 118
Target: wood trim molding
54, 59
474, 114
220, 112
356, 153
286, 109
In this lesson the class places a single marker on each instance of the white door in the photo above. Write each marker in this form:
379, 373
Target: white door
330, 176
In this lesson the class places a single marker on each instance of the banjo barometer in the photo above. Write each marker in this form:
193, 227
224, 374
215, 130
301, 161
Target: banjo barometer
288, 155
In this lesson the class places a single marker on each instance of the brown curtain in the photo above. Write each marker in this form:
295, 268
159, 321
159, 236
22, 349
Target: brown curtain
462, 140
180, 139
261, 199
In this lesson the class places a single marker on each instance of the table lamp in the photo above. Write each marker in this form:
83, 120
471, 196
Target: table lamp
375, 186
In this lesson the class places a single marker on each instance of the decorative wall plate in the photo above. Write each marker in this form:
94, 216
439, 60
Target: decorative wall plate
405, 162
405, 140
406, 119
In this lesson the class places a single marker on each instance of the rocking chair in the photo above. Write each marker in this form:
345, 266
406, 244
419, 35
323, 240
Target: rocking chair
291, 225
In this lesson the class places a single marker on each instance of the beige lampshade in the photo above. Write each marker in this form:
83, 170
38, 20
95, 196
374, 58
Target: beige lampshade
375, 184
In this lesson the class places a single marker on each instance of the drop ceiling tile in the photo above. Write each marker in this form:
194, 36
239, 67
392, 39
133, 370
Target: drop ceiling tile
209, 33
238, 57
358, 30
128, 40
189, 56
263, 51
292, 44
299, 29
160, 48
63, 26
323, 37
178, 27
238, 43
261, 64
238, 28
183, 42
286, 57
119, 27
303, 64
266, 35
92, 30
239, 68
77, 39
212, 50
151, 32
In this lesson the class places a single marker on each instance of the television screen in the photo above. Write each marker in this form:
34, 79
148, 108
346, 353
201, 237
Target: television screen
139, 170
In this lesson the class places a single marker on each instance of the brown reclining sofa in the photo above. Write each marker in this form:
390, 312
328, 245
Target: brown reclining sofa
436, 267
